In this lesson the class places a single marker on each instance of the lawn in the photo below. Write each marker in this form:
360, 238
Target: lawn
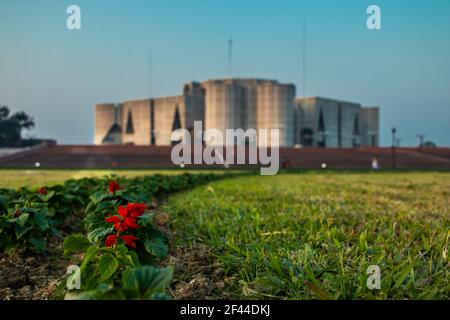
297, 235
313, 236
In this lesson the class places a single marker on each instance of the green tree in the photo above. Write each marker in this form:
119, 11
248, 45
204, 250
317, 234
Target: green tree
11, 126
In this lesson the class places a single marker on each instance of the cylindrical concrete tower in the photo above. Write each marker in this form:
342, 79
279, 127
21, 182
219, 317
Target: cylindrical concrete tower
275, 110
223, 105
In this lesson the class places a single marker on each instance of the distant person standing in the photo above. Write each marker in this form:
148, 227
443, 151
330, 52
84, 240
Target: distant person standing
375, 165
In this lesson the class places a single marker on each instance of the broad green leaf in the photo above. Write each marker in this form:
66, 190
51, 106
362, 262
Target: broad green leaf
21, 230
122, 249
157, 247
68, 196
146, 219
90, 278
48, 196
99, 233
41, 220
134, 258
99, 197
107, 266
157, 296
3, 201
76, 243
89, 207
90, 253
148, 279
38, 243
22, 219
102, 292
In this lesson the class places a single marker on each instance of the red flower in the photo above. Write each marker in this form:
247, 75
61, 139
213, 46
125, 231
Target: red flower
132, 210
121, 226
136, 209
42, 191
113, 186
125, 220
110, 240
122, 211
130, 240
113, 219
131, 223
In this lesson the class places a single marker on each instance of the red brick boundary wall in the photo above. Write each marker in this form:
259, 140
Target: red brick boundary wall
141, 157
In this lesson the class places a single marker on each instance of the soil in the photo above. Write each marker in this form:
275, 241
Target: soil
29, 276
24, 277
198, 275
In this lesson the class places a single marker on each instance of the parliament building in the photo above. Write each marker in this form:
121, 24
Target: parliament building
239, 104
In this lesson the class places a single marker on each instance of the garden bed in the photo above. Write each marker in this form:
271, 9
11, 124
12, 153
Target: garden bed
111, 227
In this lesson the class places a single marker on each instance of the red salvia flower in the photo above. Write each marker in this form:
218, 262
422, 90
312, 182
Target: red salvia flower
125, 220
119, 224
113, 187
123, 212
136, 209
110, 240
121, 227
132, 210
130, 240
42, 191
131, 223
113, 219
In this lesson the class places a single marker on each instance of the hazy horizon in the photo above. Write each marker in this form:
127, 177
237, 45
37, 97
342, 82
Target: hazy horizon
58, 75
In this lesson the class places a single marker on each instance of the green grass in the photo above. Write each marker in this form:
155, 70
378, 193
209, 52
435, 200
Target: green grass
12, 178
313, 235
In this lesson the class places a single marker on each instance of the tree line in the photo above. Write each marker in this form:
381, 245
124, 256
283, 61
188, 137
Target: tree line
11, 127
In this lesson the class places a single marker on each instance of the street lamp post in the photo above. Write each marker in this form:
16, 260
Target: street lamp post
394, 160
421, 138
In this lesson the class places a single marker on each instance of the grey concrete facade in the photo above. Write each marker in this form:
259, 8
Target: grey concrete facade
240, 104
322, 122
148, 121
370, 124
317, 122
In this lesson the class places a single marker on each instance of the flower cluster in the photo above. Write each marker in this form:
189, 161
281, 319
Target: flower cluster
42, 191
124, 221
113, 187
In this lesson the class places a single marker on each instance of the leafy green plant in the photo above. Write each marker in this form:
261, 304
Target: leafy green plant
113, 217
24, 228
141, 283
121, 233
100, 265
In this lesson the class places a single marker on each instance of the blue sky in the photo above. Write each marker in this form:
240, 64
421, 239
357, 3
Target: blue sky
58, 75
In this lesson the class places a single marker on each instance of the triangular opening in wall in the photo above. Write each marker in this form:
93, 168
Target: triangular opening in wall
176, 124
321, 141
130, 128
113, 135
321, 127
